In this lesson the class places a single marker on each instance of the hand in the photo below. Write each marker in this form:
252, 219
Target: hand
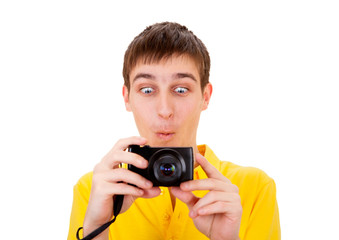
109, 180
218, 213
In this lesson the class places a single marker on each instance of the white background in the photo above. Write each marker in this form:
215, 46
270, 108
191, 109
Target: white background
275, 105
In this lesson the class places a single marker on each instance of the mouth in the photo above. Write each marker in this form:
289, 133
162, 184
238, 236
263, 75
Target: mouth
165, 136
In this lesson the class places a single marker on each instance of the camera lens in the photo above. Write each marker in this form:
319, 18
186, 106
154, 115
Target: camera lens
167, 169
166, 166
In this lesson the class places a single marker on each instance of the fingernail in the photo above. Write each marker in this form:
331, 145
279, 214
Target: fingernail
149, 184
184, 185
193, 214
144, 163
140, 192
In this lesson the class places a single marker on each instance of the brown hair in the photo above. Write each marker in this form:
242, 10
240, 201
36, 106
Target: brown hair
162, 40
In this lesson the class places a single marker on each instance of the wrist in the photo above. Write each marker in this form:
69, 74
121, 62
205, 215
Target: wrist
89, 227
90, 231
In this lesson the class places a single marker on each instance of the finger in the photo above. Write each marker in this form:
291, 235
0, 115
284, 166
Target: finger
126, 176
151, 193
186, 197
209, 169
208, 184
215, 196
147, 193
123, 143
230, 209
113, 159
121, 189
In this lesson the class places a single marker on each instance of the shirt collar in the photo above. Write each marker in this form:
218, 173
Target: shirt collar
207, 152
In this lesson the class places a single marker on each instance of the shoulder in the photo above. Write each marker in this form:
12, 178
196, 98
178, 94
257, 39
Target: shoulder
245, 177
84, 183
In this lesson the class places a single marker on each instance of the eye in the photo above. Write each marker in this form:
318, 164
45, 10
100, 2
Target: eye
181, 90
147, 90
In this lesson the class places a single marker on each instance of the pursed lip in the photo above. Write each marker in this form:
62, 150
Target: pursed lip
165, 135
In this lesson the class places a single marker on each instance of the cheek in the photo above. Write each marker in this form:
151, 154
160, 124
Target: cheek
190, 112
142, 111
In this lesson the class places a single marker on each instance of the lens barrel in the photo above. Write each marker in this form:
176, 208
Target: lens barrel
167, 166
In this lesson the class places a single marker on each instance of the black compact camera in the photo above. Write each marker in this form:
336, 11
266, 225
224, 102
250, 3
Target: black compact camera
167, 166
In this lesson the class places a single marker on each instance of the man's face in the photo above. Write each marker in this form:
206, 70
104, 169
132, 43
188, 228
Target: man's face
166, 101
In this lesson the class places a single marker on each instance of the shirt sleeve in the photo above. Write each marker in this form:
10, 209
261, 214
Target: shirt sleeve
81, 192
264, 219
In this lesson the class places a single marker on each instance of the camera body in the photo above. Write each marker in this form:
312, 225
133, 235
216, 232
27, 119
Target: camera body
167, 166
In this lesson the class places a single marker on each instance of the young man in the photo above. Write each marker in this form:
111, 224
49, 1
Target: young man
166, 73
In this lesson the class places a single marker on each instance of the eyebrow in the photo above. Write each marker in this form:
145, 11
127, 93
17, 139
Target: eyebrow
184, 75
143, 75
175, 76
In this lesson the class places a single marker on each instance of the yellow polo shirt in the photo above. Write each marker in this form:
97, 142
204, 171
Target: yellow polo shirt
153, 219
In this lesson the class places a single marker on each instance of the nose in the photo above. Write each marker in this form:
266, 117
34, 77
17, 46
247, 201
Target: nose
165, 107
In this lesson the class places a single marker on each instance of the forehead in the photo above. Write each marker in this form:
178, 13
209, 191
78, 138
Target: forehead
175, 65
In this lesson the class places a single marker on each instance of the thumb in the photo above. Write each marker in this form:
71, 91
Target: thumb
186, 197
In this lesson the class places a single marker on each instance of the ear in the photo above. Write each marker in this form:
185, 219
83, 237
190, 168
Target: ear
126, 98
207, 95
